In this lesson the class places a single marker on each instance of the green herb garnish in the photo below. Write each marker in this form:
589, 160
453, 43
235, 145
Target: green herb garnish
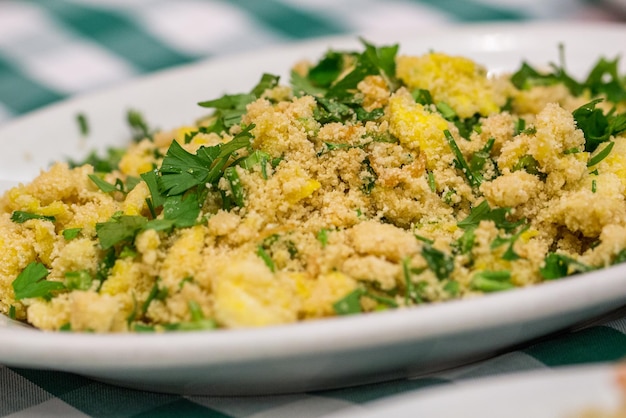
138, 126
231, 107
267, 259
483, 212
560, 265
19, 217
492, 281
121, 228
597, 126
601, 155
349, 304
439, 262
181, 170
474, 178
32, 283
79, 280
83, 126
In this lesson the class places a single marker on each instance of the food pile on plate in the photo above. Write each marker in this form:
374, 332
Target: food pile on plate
372, 180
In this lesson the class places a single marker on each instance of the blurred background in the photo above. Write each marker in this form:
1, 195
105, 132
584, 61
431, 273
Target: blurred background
53, 49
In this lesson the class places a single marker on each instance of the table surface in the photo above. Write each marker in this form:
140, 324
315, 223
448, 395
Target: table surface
41, 42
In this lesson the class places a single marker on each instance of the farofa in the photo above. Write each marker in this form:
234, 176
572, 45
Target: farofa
422, 180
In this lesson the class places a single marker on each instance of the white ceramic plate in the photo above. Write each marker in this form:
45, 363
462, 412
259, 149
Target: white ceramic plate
320, 354
559, 393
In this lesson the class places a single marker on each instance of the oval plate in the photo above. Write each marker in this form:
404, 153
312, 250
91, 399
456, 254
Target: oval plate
319, 354
565, 392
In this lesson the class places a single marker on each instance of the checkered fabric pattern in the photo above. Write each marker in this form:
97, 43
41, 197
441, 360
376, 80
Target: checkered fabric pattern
54, 49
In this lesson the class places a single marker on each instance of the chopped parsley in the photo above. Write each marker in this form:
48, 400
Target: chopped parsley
322, 237
597, 126
120, 228
32, 283
230, 107
181, 170
480, 157
509, 254
103, 185
83, 125
106, 164
349, 304
139, 127
267, 259
603, 79
79, 280
529, 164
465, 243
19, 217
333, 82
422, 96
259, 158
474, 178
432, 185
483, 212
181, 211
601, 155
237, 192
156, 293
198, 320
492, 281
439, 262
558, 265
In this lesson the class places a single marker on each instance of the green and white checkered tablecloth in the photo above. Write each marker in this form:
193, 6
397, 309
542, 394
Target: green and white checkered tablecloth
53, 49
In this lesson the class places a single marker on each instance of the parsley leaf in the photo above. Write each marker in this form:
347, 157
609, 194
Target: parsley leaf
103, 185
80, 280
152, 181
527, 76
181, 210
492, 281
322, 237
559, 265
597, 126
604, 79
101, 164
236, 188
604, 152
439, 262
138, 126
334, 83
510, 253
373, 61
156, 293
327, 70
422, 96
71, 233
483, 212
267, 259
181, 170
19, 217
83, 126
474, 178
349, 304
231, 107
32, 283
257, 157
121, 228
480, 157
529, 164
